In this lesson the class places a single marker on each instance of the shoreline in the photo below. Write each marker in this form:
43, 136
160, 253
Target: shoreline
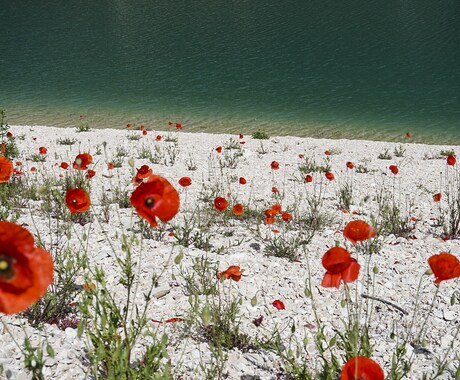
401, 259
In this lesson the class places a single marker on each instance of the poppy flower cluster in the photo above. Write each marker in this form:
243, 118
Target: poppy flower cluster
26, 271
6, 169
276, 209
156, 198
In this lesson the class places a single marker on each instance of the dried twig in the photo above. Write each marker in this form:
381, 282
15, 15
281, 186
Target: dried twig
386, 302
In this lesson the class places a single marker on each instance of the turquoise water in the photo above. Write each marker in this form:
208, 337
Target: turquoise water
350, 69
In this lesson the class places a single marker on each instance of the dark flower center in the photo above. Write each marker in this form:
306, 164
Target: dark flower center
149, 202
6, 267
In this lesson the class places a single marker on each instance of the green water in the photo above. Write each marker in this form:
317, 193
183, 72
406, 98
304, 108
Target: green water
343, 69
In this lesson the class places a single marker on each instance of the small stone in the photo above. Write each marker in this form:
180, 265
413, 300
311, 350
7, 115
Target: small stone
161, 291
70, 333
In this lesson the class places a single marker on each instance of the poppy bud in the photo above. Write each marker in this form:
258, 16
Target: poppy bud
78, 161
424, 343
429, 272
307, 292
254, 301
206, 315
179, 258
131, 162
453, 299
343, 303
293, 328
375, 269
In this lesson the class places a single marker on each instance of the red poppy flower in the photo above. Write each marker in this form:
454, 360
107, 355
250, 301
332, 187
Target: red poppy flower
242, 181
234, 272
42, 150
156, 198
25, 270
178, 126
90, 174
275, 190
82, 161
327, 152
144, 132
361, 368
358, 230
33, 169
238, 209
219, 149
445, 266
437, 197
269, 220
286, 217
241, 136
158, 138
339, 266
77, 200
278, 304
220, 204
394, 169
408, 135
275, 165
142, 127
18, 163
128, 125
6, 169
110, 166
170, 123
308, 178
276, 208
451, 160
185, 181
9, 134
329, 176
350, 165
270, 213
142, 173
301, 155
64, 165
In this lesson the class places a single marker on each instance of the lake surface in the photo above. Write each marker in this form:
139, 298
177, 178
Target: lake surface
323, 68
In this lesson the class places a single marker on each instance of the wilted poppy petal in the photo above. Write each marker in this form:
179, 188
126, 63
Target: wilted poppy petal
278, 304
